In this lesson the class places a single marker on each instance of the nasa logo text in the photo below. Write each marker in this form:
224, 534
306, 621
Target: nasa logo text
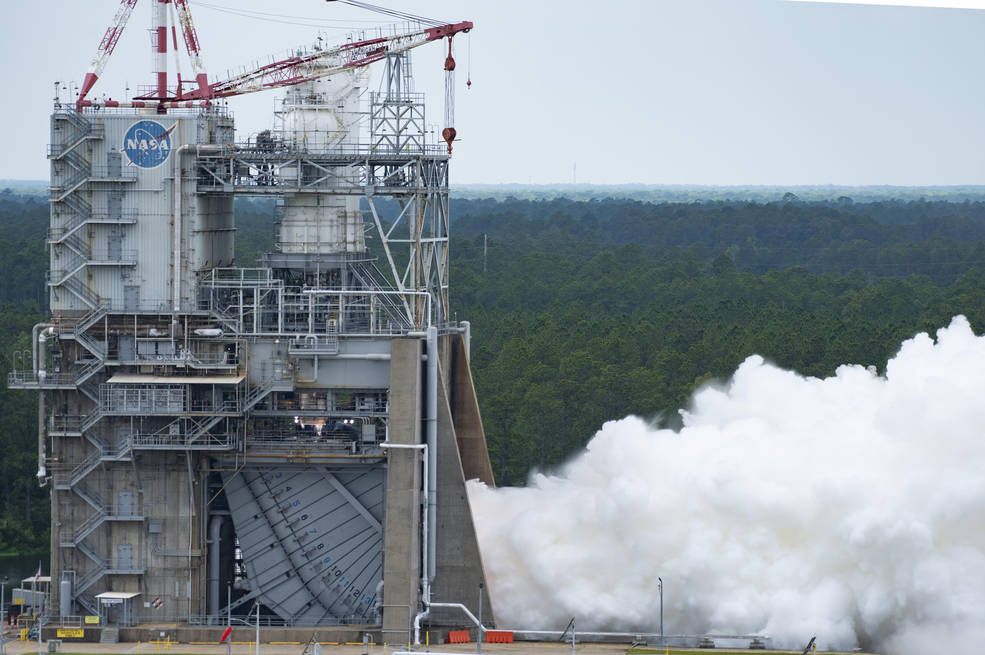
147, 143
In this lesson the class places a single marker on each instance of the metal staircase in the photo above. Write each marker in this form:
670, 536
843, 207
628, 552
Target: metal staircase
90, 368
74, 180
92, 576
73, 481
88, 320
96, 348
90, 389
79, 130
76, 288
87, 601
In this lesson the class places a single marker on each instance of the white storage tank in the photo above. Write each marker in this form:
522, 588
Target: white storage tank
322, 116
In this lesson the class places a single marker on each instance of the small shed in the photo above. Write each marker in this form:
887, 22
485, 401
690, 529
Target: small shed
117, 606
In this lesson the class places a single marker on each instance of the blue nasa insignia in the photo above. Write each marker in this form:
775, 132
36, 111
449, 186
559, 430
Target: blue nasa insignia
148, 143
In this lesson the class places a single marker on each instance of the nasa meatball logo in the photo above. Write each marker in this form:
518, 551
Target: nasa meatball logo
148, 143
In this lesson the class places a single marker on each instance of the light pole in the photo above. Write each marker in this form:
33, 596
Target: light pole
479, 639
3, 616
660, 587
229, 618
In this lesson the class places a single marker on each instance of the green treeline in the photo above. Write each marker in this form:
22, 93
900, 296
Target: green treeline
24, 506
886, 239
586, 311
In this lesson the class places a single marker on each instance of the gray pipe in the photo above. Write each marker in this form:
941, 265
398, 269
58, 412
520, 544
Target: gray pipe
467, 335
215, 536
39, 360
42, 472
37, 338
432, 441
465, 610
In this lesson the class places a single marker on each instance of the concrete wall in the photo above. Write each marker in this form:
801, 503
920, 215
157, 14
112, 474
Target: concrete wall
401, 550
471, 436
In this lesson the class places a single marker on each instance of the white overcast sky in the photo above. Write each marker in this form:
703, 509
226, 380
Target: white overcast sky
632, 91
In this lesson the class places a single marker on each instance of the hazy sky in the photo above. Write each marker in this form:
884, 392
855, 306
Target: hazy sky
632, 91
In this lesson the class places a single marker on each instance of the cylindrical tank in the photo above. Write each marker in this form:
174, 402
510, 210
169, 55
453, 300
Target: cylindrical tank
323, 116
316, 224
65, 598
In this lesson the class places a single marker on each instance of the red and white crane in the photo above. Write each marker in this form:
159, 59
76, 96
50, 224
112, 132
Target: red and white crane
305, 66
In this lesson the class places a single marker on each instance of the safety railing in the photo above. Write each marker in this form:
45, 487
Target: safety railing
113, 174
38, 379
113, 256
159, 441
61, 423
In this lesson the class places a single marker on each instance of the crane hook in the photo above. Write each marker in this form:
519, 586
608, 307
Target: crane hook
449, 60
449, 133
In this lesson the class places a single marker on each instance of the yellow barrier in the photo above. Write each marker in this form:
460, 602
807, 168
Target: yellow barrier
161, 642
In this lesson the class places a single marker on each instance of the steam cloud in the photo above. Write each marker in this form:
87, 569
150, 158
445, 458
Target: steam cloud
851, 507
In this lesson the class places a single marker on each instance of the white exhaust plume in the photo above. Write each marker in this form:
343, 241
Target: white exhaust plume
938, 4
851, 508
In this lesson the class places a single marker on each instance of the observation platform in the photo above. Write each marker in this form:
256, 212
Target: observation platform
342, 170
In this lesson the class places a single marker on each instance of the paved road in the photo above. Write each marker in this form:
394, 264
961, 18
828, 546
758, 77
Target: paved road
535, 648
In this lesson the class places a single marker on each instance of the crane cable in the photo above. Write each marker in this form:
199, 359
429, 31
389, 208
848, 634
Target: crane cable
449, 133
402, 15
304, 21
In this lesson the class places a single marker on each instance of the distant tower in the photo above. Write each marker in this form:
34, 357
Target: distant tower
297, 434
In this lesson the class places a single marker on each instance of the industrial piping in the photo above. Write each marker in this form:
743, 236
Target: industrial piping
430, 516
215, 536
425, 613
432, 441
40, 365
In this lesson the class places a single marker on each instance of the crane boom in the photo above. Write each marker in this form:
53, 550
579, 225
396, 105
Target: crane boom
311, 65
105, 49
192, 45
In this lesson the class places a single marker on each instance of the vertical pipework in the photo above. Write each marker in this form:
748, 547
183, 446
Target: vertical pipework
176, 241
42, 471
39, 362
215, 537
432, 441
467, 336
160, 27
39, 357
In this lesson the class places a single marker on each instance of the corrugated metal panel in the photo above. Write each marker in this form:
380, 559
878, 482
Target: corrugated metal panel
312, 538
